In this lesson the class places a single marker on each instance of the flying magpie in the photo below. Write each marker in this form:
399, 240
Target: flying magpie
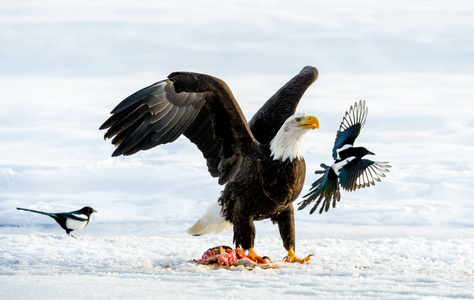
69, 221
349, 168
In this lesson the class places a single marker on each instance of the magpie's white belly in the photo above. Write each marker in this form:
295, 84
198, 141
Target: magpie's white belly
75, 224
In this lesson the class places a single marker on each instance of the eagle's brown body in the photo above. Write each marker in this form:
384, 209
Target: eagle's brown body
249, 198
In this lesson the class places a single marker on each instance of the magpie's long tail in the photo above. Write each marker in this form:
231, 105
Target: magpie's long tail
38, 212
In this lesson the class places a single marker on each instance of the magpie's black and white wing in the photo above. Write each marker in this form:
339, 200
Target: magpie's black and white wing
325, 190
362, 173
74, 216
350, 127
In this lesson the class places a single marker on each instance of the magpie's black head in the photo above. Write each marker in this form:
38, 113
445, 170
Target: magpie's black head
361, 152
87, 210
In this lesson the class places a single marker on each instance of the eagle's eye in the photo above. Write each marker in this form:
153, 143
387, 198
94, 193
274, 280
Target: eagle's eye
298, 120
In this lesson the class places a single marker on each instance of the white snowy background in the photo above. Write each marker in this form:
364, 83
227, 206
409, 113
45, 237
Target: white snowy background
65, 64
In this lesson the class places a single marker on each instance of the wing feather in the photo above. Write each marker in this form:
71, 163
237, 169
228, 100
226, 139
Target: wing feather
350, 127
81, 217
181, 122
361, 173
199, 106
270, 117
324, 190
141, 97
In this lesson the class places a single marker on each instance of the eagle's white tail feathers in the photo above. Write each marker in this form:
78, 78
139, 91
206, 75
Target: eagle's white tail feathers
211, 222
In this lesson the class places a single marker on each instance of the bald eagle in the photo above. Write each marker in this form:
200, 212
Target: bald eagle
259, 162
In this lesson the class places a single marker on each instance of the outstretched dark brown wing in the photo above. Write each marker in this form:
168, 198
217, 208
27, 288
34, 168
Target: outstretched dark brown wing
199, 106
270, 117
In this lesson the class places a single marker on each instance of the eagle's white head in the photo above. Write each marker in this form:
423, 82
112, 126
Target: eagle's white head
287, 142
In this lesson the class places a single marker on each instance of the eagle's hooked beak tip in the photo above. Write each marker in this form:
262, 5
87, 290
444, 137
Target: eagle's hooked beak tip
312, 122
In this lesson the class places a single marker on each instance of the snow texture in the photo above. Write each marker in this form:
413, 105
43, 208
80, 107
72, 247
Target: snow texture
65, 65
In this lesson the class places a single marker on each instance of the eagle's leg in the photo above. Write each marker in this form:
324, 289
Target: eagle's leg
286, 225
244, 236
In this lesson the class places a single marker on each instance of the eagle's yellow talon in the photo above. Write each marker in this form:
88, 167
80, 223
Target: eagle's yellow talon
253, 256
291, 258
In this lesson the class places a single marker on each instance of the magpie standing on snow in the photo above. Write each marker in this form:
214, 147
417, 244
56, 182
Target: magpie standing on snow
69, 221
352, 171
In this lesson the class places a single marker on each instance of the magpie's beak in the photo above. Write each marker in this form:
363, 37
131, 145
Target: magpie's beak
371, 153
94, 211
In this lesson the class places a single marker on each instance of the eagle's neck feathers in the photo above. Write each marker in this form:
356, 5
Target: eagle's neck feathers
287, 144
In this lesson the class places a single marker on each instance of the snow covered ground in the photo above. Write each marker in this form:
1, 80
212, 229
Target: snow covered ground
64, 66
133, 261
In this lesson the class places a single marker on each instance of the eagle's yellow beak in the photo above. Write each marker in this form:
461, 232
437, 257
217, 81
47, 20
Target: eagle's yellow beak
311, 122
